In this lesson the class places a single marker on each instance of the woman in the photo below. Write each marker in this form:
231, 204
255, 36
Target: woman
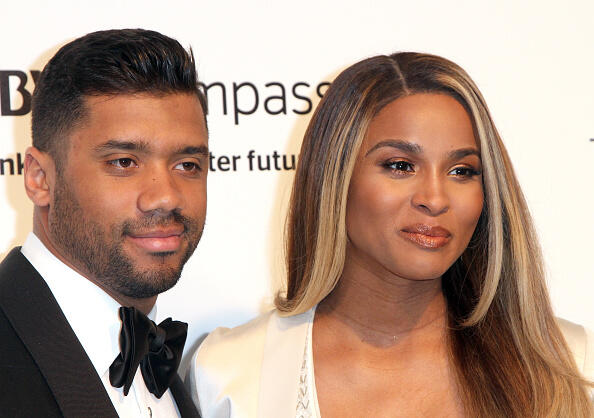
415, 282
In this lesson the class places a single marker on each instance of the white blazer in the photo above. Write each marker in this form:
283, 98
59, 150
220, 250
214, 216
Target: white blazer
252, 371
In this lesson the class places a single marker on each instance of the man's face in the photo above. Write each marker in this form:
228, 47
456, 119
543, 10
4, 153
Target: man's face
129, 201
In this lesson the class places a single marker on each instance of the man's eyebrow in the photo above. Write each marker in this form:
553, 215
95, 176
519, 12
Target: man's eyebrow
144, 146
116, 144
191, 149
458, 154
400, 144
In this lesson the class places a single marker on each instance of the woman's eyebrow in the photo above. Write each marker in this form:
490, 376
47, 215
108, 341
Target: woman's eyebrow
406, 146
458, 154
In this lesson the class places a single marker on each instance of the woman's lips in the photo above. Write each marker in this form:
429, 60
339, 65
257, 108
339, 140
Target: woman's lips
425, 236
158, 241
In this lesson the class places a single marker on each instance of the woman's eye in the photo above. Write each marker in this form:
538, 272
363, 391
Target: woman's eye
399, 165
464, 172
123, 163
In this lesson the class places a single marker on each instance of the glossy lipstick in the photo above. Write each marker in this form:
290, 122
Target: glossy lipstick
425, 236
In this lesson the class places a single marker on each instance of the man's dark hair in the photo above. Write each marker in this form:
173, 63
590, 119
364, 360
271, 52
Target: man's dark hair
124, 61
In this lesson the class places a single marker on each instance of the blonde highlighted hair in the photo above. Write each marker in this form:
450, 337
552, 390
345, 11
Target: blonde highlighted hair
504, 337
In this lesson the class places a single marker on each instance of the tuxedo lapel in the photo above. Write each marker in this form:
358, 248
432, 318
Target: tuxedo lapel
36, 317
184, 402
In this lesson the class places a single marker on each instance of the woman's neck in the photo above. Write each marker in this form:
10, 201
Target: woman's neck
384, 309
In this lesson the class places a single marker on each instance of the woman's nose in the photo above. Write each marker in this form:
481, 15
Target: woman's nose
430, 195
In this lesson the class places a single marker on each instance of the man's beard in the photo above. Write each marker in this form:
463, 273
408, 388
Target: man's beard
100, 253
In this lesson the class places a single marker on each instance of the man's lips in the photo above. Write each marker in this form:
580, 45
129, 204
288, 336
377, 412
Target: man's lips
160, 240
426, 236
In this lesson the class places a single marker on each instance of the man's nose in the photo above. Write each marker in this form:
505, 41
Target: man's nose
160, 192
430, 195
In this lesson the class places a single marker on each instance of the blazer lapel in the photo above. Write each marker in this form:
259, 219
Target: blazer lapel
36, 316
184, 402
281, 365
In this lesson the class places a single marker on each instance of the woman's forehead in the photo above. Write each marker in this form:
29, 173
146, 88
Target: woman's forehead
427, 122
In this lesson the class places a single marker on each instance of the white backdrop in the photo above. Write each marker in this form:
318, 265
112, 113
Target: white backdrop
532, 60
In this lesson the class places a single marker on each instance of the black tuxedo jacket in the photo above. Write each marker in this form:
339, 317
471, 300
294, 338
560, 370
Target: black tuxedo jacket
44, 370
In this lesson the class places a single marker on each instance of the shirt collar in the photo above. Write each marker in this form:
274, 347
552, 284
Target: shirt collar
92, 313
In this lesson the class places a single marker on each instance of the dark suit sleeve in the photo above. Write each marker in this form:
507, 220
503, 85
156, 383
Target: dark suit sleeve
24, 392
40, 352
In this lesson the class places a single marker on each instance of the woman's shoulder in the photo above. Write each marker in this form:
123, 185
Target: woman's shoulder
250, 335
226, 366
224, 349
223, 338
226, 371
581, 343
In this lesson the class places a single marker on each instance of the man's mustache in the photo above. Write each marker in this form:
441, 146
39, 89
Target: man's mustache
157, 220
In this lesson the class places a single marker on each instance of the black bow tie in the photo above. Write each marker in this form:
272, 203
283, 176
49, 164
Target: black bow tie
157, 349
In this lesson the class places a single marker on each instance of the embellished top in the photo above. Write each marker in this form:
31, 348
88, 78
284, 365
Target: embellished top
307, 399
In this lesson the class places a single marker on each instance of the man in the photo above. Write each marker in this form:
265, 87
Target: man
117, 174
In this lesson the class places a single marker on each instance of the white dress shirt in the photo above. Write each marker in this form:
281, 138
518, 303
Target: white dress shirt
93, 315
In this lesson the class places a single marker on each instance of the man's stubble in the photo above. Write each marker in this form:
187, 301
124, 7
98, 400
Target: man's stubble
99, 252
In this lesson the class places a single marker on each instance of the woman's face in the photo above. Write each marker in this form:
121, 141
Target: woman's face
416, 193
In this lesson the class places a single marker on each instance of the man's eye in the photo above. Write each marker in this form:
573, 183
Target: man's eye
123, 163
188, 166
400, 166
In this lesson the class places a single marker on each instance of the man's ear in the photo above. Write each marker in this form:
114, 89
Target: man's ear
39, 173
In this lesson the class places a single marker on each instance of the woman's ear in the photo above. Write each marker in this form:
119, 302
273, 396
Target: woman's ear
39, 173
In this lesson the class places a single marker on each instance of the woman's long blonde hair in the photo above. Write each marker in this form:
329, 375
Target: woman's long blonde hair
510, 356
